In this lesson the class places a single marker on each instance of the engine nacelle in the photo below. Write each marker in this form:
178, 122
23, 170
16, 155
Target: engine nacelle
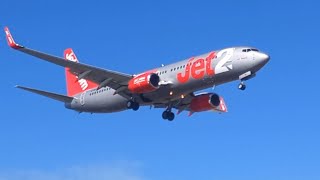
209, 101
144, 83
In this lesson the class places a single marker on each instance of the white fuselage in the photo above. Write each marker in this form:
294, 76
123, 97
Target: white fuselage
179, 79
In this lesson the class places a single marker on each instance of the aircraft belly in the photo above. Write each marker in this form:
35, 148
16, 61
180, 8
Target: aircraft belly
225, 77
104, 102
163, 93
178, 89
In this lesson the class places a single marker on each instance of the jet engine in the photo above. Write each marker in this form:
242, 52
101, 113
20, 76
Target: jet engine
208, 101
144, 83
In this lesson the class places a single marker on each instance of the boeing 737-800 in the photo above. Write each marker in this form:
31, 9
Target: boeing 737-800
97, 90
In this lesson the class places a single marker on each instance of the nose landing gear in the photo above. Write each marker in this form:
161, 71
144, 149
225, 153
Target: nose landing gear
244, 77
242, 86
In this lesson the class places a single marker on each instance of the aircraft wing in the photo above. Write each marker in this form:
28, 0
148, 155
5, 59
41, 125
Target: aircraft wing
183, 104
103, 77
180, 105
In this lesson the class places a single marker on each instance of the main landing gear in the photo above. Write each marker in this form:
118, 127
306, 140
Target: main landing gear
133, 105
168, 114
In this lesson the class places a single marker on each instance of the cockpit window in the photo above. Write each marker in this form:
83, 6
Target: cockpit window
248, 50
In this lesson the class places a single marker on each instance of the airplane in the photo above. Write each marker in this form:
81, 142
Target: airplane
97, 90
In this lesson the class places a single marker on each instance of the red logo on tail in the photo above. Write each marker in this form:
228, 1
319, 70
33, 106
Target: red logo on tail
75, 85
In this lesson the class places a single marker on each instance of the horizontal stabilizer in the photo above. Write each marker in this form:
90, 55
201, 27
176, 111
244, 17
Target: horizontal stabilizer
58, 97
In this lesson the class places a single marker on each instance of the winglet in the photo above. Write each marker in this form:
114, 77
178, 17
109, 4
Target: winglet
10, 40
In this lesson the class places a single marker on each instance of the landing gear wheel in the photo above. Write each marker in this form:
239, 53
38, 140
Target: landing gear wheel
242, 86
168, 115
171, 116
133, 105
165, 115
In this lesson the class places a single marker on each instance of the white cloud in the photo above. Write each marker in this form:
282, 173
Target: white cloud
115, 171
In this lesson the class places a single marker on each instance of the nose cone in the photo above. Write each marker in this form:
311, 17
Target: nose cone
262, 59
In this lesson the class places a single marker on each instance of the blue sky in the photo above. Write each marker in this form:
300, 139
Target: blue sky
270, 132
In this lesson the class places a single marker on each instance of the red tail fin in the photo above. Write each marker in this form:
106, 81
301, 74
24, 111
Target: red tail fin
75, 85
